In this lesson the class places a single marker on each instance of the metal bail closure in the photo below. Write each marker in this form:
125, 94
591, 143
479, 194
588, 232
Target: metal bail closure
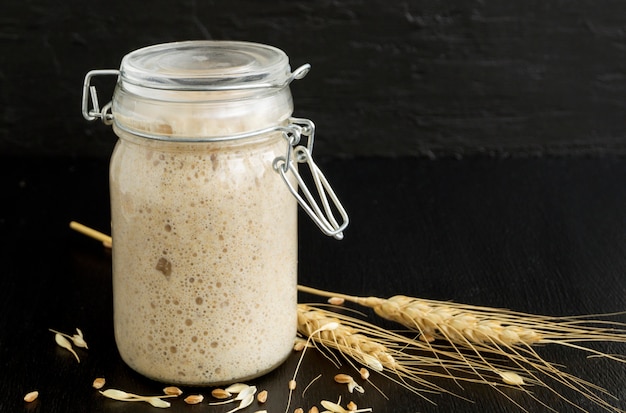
90, 91
325, 219
299, 73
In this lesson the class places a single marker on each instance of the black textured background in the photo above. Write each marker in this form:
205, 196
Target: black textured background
427, 78
540, 81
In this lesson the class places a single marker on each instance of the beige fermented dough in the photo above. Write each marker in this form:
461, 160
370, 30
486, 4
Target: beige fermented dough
204, 258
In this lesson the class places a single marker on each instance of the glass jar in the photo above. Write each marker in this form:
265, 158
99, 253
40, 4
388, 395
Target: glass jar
204, 194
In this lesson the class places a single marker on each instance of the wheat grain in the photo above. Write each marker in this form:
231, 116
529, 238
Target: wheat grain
172, 391
365, 374
220, 394
98, 383
194, 399
31, 396
243, 391
349, 380
343, 378
336, 301
299, 344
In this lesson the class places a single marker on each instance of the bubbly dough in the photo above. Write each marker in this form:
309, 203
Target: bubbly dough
204, 258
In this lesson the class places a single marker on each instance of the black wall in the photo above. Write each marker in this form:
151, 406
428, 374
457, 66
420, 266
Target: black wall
426, 78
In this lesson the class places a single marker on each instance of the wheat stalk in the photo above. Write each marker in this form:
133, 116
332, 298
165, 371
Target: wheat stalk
484, 326
407, 362
481, 330
513, 335
345, 338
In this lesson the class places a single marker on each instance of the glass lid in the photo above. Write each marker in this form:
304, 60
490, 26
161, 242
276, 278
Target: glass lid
207, 65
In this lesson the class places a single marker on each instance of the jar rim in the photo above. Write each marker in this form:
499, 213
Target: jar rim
206, 65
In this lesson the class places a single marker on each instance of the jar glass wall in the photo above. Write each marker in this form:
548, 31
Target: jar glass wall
204, 258
204, 194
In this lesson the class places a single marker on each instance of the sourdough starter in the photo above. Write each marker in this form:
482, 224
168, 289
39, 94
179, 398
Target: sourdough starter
204, 258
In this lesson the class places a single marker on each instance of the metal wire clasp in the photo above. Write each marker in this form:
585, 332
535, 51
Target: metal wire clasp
90, 91
325, 219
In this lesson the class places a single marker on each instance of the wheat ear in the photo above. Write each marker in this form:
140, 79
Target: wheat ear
484, 326
484, 330
398, 358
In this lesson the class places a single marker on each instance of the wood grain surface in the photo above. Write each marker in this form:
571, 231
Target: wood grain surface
545, 236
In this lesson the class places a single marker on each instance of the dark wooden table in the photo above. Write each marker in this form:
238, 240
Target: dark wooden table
544, 236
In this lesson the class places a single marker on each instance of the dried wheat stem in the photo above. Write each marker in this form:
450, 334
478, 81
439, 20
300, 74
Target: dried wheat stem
405, 361
441, 320
482, 326
106, 240
484, 330
347, 339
